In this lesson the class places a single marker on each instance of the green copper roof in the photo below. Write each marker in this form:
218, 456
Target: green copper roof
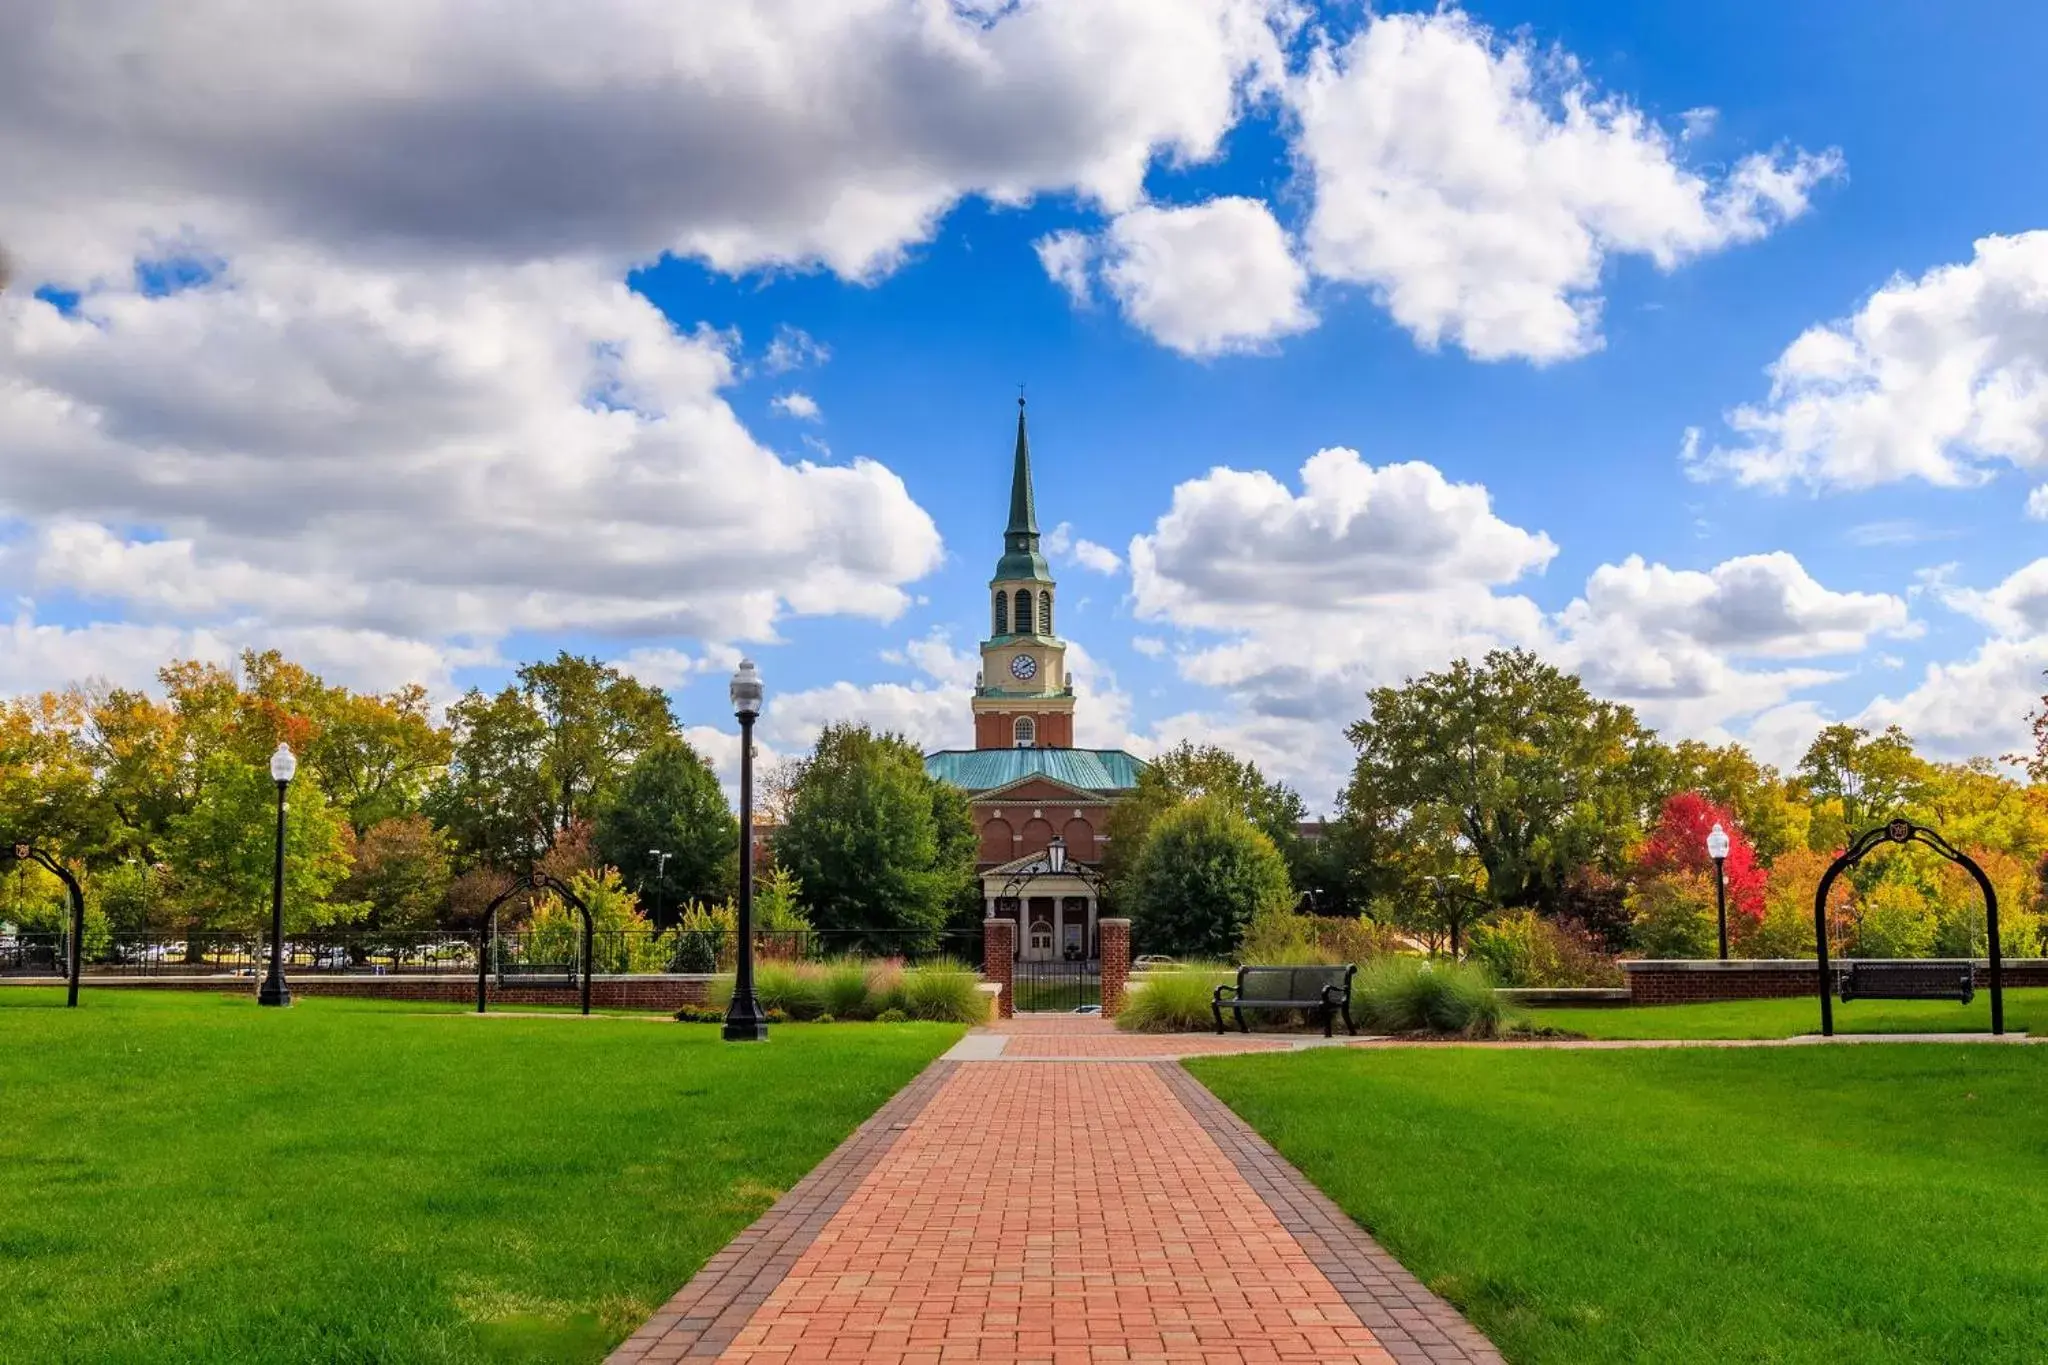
979, 770
1021, 558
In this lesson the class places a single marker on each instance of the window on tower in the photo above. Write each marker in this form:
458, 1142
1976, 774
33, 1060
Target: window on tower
1002, 613
1023, 612
1045, 613
1027, 732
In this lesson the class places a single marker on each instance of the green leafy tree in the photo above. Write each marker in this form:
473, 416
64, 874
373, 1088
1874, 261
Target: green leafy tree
1871, 777
491, 799
880, 848
1206, 872
378, 756
222, 850
670, 800
1189, 772
1512, 761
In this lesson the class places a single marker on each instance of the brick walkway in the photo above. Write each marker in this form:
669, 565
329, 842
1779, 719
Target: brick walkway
1055, 1211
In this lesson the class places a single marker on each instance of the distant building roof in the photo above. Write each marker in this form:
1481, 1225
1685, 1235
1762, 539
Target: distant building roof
979, 770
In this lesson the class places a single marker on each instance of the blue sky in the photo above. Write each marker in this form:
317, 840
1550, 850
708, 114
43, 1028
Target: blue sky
1524, 262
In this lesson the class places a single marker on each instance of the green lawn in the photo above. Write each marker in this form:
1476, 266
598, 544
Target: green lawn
185, 1177
2025, 1011
1865, 1204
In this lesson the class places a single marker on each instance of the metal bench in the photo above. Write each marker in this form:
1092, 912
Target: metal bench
1909, 981
1326, 990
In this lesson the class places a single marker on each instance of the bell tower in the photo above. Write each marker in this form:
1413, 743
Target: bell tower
1023, 699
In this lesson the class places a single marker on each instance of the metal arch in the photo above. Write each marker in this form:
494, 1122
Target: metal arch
1080, 871
1902, 831
74, 948
537, 881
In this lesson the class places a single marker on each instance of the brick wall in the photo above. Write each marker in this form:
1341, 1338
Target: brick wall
1115, 938
648, 992
1689, 982
999, 962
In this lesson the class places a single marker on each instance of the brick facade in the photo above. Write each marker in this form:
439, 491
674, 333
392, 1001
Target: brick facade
1694, 982
999, 962
1115, 936
998, 729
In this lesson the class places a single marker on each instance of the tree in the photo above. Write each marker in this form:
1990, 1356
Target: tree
379, 755
1188, 772
1678, 843
223, 847
542, 754
1730, 776
1205, 873
1512, 760
401, 873
1872, 777
670, 800
881, 849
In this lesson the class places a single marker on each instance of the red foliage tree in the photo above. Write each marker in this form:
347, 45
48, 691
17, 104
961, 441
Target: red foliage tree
1678, 843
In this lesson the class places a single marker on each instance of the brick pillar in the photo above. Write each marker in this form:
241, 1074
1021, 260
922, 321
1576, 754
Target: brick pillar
1116, 963
999, 961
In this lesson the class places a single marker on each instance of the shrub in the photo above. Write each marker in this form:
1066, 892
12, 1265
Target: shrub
1282, 938
892, 1017
1522, 948
796, 989
1174, 999
1894, 920
1413, 995
1204, 874
845, 984
1673, 915
944, 991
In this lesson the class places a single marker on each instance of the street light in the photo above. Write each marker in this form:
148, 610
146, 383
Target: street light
282, 767
660, 879
1717, 849
744, 1021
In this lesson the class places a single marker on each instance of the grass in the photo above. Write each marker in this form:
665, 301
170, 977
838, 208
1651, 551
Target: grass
190, 1178
1174, 999
2025, 1011
1798, 1205
1060, 993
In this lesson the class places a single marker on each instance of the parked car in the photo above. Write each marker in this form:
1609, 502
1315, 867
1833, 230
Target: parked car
1146, 962
333, 958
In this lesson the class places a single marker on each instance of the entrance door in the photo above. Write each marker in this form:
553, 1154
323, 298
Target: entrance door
1038, 933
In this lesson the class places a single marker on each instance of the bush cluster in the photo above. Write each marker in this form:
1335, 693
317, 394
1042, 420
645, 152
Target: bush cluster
1523, 948
1173, 999
857, 988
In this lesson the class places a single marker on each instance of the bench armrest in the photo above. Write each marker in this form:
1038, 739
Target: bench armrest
1218, 996
1334, 993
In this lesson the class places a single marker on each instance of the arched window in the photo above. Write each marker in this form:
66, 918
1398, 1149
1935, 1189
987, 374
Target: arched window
1027, 732
1023, 612
1002, 613
1045, 613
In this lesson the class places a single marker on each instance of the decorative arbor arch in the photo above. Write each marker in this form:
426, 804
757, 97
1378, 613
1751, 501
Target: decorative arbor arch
1903, 832
74, 945
538, 881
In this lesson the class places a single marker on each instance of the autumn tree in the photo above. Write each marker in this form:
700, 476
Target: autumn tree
400, 874
1677, 844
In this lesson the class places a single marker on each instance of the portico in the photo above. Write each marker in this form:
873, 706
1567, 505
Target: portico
1054, 903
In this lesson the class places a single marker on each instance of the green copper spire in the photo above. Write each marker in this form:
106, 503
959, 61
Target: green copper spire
1021, 558
1023, 514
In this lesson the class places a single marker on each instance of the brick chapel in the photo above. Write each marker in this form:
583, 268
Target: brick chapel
1039, 803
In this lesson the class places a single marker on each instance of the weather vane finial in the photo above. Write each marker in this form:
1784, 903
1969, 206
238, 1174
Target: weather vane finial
1020, 394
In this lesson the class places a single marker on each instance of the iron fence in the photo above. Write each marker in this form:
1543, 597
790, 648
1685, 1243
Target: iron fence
551, 952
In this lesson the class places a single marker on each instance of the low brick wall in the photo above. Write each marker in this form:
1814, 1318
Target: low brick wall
1686, 982
652, 992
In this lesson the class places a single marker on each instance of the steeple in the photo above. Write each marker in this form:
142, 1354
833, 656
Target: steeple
1021, 558
1023, 514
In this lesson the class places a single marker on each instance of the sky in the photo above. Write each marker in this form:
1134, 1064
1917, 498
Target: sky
1701, 349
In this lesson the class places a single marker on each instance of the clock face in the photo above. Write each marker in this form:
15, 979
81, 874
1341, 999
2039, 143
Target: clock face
1023, 667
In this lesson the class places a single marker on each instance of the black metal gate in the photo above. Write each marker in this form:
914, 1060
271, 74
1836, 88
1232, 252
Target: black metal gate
1057, 987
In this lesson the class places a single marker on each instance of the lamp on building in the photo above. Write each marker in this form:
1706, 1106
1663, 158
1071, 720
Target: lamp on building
1717, 849
284, 765
1056, 855
744, 1021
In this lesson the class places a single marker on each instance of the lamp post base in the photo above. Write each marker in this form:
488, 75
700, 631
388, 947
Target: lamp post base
744, 1022
274, 992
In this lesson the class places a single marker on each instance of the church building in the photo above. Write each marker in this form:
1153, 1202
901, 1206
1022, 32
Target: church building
1039, 803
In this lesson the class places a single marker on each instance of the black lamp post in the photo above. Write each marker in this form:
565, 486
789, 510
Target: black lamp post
744, 1021
1717, 849
282, 766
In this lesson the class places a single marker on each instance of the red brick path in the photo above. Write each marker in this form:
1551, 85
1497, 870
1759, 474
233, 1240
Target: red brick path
1045, 1212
